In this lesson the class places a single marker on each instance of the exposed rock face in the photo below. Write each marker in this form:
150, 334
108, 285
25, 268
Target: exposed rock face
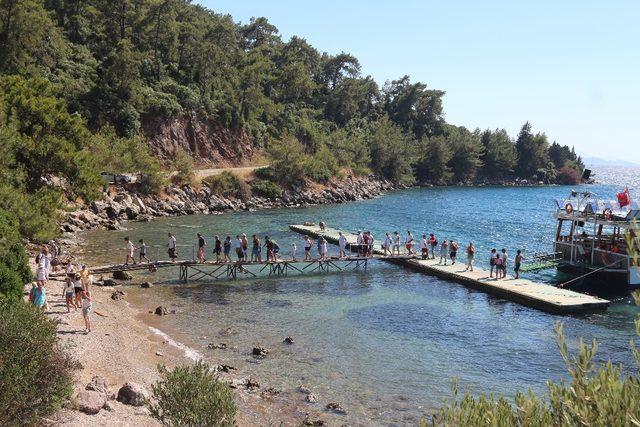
90, 402
187, 200
203, 137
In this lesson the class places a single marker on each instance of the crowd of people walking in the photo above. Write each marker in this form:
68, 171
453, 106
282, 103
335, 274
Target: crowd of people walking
250, 250
76, 285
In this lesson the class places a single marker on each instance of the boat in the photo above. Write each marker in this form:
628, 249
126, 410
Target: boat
597, 244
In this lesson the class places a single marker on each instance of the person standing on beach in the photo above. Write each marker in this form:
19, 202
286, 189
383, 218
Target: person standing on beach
227, 249
453, 251
143, 251
443, 252
171, 245
433, 243
42, 271
471, 253
518, 262
87, 308
39, 297
396, 244
424, 247
201, 248
308, 243
387, 244
492, 263
342, 245
409, 243
130, 249
68, 293
217, 249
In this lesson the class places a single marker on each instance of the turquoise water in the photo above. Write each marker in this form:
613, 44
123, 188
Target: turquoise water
385, 343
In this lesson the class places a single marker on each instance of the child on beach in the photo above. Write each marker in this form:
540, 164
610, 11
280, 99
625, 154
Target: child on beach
143, 251
68, 293
129, 249
86, 310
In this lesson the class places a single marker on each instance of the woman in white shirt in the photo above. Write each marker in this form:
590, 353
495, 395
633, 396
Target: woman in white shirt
342, 244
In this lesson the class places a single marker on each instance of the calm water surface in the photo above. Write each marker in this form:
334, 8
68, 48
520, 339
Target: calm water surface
385, 343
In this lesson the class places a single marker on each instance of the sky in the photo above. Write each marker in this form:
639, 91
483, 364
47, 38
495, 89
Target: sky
569, 67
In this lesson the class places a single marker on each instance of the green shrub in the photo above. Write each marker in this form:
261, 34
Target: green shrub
266, 173
226, 184
323, 165
289, 160
267, 189
14, 264
192, 396
35, 373
183, 164
596, 396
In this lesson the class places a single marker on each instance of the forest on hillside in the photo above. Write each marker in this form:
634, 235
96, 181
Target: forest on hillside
78, 77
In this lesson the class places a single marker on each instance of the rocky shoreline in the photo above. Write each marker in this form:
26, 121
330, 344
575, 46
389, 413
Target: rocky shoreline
125, 204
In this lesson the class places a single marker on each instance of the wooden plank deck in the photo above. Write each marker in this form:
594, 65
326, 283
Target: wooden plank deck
523, 291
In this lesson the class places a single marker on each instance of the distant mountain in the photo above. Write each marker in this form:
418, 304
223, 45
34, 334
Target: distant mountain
596, 161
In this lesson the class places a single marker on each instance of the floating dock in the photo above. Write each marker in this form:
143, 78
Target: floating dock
522, 291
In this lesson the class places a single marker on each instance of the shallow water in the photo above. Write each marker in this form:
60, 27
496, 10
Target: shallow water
385, 343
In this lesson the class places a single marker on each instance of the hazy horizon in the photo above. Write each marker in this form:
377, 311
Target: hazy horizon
570, 69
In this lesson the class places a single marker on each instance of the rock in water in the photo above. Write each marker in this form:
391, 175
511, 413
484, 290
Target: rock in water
121, 275
288, 340
260, 352
214, 346
311, 398
146, 285
336, 407
90, 402
161, 311
132, 394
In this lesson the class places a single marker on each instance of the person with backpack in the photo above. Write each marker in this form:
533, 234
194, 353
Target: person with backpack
471, 253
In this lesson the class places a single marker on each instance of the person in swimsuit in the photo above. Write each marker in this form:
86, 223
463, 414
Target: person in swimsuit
424, 247
143, 251
87, 308
68, 294
396, 244
471, 253
433, 242
256, 249
453, 251
78, 288
518, 262
498, 263
308, 243
39, 297
409, 243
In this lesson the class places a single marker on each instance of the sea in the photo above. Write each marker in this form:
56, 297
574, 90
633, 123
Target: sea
386, 343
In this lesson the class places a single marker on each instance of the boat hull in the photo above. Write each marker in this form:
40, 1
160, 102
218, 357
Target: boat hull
599, 283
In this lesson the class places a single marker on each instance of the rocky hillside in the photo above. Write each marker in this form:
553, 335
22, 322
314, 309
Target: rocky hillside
203, 137
124, 204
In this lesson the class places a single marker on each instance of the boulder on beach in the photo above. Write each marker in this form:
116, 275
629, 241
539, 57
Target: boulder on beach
146, 285
90, 402
311, 398
121, 275
132, 394
260, 351
118, 295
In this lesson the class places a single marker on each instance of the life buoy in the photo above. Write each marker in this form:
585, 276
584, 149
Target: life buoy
607, 214
568, 208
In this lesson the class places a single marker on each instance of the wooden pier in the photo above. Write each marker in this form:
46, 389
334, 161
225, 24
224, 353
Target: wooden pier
523, 291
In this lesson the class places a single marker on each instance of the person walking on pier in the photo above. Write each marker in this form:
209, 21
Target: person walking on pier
444, 252
505, 262
239, 251
227, 249
453, 251
130, 250
143, 251
433, 243
256, 249
342, 245
396, 244
320, 238
172, 248
387, 244
518, 263
371, 240
409, 243
294, 248
201, 247
323, 248
217, 248
471, 253
365, 244
245, 245
492, 263
424, 247
360, 243
308, 243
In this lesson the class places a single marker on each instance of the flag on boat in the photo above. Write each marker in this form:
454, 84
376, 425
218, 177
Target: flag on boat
624, 198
